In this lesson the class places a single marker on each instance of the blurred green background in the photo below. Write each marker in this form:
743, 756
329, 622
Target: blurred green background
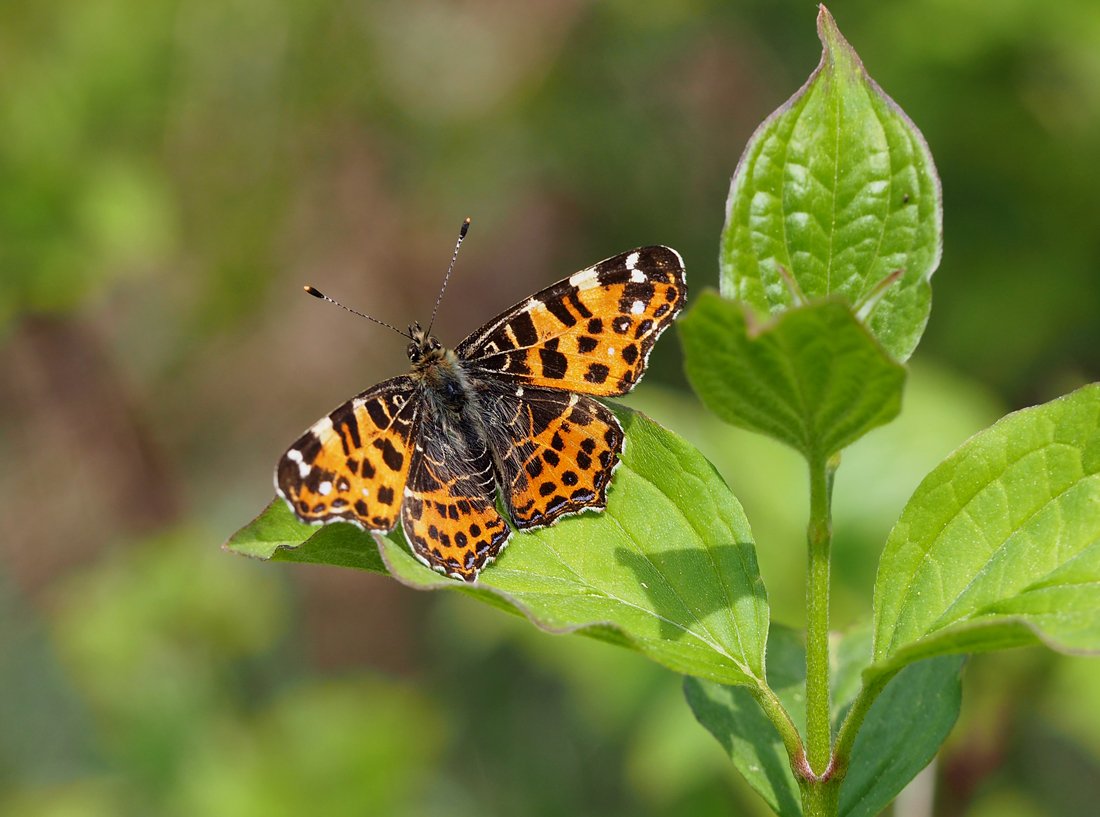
171, 173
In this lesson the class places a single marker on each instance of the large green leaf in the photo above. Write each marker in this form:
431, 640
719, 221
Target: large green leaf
892, 745
838, 188
1000, 544
812, 378
669, 568
739, 724
904, 729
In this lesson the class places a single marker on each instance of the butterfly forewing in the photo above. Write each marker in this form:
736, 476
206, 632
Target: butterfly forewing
352, 464
590, 333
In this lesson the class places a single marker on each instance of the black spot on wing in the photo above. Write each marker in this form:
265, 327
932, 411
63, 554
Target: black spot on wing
393, 458
346, 425
309, 446
523, 327
557, 307
597, 373
554, 363
377, 414
636, 291
574, 299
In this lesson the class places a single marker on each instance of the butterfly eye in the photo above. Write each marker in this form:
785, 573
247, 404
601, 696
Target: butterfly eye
413, 352
435, 344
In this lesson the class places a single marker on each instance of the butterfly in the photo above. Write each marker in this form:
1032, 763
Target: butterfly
508, 410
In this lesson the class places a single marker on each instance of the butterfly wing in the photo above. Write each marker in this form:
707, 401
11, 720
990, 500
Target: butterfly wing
352, 464
449, 514
590, 333
555, 451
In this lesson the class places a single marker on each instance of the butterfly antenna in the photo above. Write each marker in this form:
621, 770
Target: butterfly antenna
461, 235
316, 293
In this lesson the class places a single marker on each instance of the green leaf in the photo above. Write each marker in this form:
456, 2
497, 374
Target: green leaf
1000, 544
669, 568
278, 535
904, 729
812, 378
838, 188
737, 721
891, 748
749, 738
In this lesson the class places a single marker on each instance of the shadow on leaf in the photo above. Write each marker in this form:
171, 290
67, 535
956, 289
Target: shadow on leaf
696, 590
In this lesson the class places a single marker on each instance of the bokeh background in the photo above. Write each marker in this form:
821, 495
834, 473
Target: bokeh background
172, 172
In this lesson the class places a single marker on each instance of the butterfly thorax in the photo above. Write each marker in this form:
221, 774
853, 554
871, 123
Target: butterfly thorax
441, 377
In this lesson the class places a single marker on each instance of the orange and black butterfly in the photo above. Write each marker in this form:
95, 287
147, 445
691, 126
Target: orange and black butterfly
508, 410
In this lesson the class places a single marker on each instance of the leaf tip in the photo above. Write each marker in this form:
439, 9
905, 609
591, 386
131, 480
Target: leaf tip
836, 50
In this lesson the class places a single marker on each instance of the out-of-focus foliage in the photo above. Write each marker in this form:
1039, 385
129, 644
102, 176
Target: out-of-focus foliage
171, 172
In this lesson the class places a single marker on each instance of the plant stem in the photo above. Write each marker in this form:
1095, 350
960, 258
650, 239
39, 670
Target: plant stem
820, 536
846, 737
780, 718
820, 799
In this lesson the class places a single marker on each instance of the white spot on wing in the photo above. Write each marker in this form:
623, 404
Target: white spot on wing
294, 455
637, 276
638, 307
322, 427
631, 263
585, 279
519, 391
365, 491
610, 351
325, 488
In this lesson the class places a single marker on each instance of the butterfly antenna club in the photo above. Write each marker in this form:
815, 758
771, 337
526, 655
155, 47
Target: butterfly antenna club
465, 228
316, 293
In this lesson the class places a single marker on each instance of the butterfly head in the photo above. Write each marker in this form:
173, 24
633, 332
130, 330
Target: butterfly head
424, 349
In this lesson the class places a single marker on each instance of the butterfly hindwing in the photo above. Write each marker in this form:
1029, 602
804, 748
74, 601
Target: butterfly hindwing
449, 513
590, 333
352, 464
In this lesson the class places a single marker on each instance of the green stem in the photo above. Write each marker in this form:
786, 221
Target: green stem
780, 718
846, 737
820, 798
820, 536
